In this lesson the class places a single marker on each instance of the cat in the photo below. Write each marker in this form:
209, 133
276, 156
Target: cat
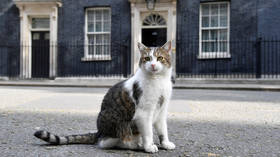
132, 107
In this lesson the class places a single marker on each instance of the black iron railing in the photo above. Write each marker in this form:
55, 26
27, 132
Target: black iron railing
258, 58
234, 59
80, 60
46, 60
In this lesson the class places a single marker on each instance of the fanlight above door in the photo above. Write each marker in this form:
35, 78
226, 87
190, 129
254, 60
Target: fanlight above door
154, 20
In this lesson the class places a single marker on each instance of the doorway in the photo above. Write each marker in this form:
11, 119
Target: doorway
154, 30
154, 37
40, 54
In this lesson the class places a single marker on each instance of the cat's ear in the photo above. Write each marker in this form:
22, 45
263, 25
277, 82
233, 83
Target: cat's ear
167, 46
142, 47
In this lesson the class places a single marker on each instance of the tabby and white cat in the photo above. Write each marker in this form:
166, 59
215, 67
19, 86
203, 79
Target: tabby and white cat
132, 107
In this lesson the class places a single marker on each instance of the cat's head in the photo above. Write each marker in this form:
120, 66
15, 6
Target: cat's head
155, 60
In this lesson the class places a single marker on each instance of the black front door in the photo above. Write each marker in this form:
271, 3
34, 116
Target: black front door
40, 54
154, 37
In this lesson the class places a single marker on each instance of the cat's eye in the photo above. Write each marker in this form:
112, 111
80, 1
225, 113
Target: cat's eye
147, 59
160, 58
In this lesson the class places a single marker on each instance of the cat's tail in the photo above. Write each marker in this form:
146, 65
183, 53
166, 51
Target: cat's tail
90, 138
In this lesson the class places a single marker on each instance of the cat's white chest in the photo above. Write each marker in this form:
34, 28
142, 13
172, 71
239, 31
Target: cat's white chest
154, 96
156, 88
153, 91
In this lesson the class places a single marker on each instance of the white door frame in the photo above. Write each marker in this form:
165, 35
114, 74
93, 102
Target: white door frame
29, 10
138, 10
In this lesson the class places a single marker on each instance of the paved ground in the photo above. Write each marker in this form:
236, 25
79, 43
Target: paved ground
201, 122
181, 83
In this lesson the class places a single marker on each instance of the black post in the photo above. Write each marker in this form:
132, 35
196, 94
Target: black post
258, 58
125, 59
216, 57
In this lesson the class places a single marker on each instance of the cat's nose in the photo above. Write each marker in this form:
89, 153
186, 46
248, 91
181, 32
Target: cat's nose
153, 66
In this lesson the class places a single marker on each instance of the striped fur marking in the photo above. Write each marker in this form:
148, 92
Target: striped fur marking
137, 92
48, 137
166, 58
161, 100
90, 138
117, 111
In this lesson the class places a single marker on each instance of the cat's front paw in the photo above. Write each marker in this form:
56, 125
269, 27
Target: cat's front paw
168, 145
151, 148
140, 145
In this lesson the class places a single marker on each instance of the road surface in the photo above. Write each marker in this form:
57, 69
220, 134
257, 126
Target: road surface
201, 122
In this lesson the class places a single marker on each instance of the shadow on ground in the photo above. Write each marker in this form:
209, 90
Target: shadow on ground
192, 138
